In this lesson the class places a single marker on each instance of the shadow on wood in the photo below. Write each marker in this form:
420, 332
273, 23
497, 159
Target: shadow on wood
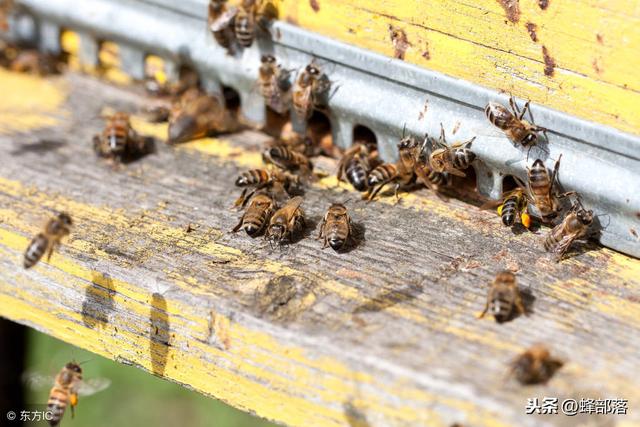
98, 301
158, 334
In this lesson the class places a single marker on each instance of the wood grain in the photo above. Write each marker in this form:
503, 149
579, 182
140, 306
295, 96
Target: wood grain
385, 334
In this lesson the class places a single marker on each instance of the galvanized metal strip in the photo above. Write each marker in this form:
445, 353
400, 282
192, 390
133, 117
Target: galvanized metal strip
378, 92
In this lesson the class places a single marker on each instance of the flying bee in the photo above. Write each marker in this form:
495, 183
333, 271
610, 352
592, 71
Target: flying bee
541, 191
575, 225
453, 159
276, 182
535, 365
257, 215
336, 228
309, 90
274, 84
355, 164
199, 115
286, 222
284, 158
47, 240
119, 140
512, 123
222, 21
503, 297
68, 384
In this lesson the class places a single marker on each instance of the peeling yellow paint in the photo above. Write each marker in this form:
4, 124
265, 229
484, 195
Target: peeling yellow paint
30, 102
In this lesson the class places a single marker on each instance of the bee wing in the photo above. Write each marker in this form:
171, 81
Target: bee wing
564, 244
93, 385
224, 20
38, 381
292, 205
502, 115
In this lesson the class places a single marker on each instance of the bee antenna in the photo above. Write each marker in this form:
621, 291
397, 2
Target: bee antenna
404, 128
85, 361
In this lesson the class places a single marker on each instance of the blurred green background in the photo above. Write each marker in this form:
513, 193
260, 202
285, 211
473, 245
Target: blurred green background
135, 398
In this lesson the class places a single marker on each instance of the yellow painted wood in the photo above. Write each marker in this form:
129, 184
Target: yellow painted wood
258, 368
29, 102
594, 45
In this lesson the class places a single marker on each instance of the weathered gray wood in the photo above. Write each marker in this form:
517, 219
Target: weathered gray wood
385, 334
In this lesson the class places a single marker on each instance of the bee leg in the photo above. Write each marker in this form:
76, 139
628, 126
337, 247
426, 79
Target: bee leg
520, 305
50, 251
395, 192
239, 225
486, 308
372, 194
567, 194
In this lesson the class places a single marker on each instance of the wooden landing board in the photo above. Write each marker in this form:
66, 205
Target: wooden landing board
576, 56
384, 335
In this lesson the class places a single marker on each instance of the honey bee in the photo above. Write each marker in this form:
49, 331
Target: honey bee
575, 225
452, 159
287, 159
535, 365
384, 174
64, 392
222, 21
278, 183
47, 240
250, 14
512, 208
119, 140
257, 215
309, 89
512, 123
355, 164
503, 297
286, 222
68, 384
336, 228
274, 84
197, 116
541, 191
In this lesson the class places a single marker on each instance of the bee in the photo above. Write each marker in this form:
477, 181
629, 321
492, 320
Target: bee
575, 225
541, 192
274, 84
287, 159
308, 91
277, 182
64, 392
68, 385
512, 208
197, 116
119, 140
355, 164
512, 123
535, 365
286, 222
336, 228
452, 159
246, 20
47, 240
503, 297
384, 174
222, 21
257, 215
